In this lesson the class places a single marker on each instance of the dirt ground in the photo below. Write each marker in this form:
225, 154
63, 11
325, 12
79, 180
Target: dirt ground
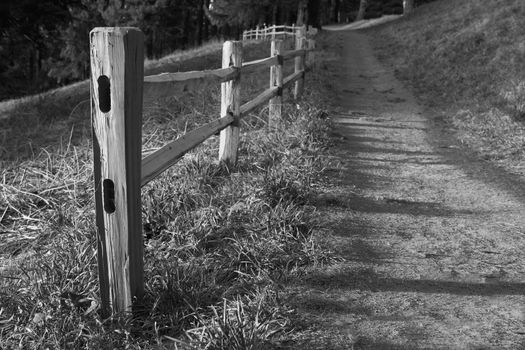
433, 240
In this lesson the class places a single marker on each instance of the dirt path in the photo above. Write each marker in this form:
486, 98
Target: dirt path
433, 240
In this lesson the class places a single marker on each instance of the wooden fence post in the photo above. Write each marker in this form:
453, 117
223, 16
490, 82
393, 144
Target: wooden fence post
276, 80
117, 75
231, 103
257, 33
299, 60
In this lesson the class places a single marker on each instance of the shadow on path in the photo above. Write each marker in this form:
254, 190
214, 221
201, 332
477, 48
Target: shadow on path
368, 280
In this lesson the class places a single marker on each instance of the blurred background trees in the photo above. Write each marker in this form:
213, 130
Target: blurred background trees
45, 43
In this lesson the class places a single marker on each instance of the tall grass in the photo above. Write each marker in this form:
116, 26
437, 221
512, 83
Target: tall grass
466, 56
218, 240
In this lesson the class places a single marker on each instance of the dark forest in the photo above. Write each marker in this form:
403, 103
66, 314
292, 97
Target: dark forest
44, 43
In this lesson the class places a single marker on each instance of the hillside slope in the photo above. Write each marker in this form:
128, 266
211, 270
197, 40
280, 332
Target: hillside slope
39, 121
466, 58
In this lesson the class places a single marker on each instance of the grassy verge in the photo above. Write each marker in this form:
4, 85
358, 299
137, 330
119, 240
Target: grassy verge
466, 58
218, 240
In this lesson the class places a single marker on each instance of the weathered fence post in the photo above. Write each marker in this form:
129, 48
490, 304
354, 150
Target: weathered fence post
257, 33
276, 80
300, 37
117, 75
231, 103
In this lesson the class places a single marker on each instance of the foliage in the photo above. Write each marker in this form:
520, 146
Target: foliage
44, 43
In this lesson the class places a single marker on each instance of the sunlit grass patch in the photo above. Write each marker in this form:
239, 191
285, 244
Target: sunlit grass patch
466, 58
218, 240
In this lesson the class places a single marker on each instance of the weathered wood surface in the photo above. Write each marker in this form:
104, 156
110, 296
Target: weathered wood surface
160, 160
117, 74
218, 75
249, 67
230, 103
259, 100
276, 80
171, 84
292, 78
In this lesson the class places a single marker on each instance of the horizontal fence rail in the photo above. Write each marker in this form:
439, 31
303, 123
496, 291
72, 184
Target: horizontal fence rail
273, 32
155, 163
264, 62
118, 86
217, 75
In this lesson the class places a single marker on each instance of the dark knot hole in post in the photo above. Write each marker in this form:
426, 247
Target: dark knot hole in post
104, 94
109, 196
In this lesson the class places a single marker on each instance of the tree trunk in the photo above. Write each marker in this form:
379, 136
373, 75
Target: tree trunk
186, 30
362, 9
301, 13
206, 23
200, 25
334, 10
408, 6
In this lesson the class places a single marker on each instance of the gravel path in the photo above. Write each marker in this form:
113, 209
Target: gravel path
433, 239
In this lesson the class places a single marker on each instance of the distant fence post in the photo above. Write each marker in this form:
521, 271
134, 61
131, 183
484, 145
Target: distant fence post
117, 75
276, 80
257, 33
300, 37
231, 103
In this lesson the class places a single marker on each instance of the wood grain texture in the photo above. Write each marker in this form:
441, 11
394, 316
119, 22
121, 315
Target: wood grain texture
118, 54
160, 160
171, 84
216, 75
251, 66
259, 100
276, 80
231, 103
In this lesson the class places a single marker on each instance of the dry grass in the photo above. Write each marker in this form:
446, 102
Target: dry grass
217, 240
466, 57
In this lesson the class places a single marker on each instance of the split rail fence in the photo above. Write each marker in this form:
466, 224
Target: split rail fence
273, 32
117, 85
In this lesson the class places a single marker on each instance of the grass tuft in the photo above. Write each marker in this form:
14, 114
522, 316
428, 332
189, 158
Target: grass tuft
218, 240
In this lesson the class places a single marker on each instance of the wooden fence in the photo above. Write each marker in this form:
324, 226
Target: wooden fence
117, 81
273, 32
